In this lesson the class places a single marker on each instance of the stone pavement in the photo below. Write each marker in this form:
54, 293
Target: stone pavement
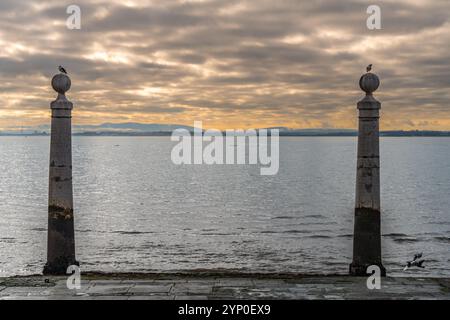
209, 286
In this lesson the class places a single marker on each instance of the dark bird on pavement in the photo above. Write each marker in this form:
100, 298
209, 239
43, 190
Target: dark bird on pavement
415, 262
61, 69
369, 67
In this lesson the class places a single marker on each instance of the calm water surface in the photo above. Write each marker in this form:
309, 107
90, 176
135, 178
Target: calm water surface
136, 211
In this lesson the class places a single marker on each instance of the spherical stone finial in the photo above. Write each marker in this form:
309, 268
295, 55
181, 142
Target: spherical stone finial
61, 83
369, 82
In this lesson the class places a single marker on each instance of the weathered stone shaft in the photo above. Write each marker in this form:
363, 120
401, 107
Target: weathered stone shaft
368, 163
367, 230
61, 238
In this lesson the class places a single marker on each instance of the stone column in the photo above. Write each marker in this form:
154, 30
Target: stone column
61, 238
367, 231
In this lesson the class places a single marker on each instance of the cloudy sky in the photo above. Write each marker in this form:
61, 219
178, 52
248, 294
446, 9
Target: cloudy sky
230, 64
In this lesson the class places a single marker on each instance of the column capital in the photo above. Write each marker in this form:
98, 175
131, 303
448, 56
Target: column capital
61, 83
369, 83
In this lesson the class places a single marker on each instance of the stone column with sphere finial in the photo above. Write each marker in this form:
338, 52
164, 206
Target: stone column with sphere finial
367, 223
61, 235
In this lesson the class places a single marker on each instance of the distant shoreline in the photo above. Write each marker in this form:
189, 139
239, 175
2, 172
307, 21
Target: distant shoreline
282, 134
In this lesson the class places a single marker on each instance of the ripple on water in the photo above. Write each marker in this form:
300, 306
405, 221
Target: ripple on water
314, 216
443, 239
319, 236
131, 232
8, 240
345, 236
283, 217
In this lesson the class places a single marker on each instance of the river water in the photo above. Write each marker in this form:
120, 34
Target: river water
137, 211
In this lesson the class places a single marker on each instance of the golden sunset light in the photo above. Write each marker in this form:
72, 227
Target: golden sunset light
245, 64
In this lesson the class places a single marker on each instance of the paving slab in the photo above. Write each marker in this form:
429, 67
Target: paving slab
192, 288
191, 298
109, 289
150, 289
156, 297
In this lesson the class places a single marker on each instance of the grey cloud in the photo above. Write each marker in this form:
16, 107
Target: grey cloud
202, 58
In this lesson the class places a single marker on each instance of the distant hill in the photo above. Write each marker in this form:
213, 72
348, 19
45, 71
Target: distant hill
131, 127
126, 128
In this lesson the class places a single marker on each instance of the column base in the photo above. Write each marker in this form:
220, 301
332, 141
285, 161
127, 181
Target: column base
359, 270
366, 242
59, 267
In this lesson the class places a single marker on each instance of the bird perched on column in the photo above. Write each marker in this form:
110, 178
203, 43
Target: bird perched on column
61, 69
369, 67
